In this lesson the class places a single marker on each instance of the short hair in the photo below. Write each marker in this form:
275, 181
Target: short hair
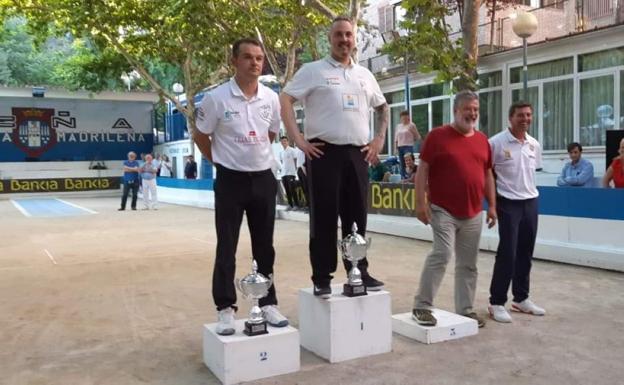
409, 155
246, 40
464, 96
342, 18
404, 113
574, 145
132, 153
283, 137
518, 105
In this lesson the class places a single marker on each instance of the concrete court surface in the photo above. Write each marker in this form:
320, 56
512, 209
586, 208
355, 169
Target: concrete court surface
120, 298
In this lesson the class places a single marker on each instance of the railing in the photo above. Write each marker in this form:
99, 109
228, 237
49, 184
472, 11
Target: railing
558, 19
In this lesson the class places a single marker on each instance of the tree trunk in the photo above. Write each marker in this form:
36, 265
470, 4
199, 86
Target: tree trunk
470, 29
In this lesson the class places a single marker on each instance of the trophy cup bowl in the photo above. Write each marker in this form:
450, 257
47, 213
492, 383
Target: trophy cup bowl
353, 248
254, 286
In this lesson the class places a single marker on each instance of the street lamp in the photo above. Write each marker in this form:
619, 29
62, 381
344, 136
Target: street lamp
388, 37
524, 25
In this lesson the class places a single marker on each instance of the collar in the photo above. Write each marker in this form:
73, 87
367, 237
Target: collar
236, 91
511, 138
336, 63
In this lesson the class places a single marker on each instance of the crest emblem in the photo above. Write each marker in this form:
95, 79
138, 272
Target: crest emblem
265, 112
33, 132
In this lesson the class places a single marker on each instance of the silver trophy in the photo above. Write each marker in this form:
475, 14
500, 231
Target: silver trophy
255, 286
353, 249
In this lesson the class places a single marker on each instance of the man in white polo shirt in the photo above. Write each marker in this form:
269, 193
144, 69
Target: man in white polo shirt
337, 95
241, 117
516, 156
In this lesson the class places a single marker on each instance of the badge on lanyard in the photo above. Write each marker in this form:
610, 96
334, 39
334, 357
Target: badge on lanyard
350, 102
507, 154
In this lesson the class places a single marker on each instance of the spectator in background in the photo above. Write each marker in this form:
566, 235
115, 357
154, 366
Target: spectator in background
190, 169
130, 181
148, 180
166, 170
288, 160
578, 172
157, 163
405, 136
410, 168
615, 172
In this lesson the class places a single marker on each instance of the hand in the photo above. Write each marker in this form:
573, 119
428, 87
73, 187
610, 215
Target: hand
491, 217
372, 149
423, 213
311, 150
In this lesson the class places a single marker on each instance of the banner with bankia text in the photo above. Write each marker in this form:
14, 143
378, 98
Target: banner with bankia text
392, 199
13, 186
41, 129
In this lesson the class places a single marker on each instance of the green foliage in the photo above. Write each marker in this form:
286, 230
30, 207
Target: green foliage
428, 45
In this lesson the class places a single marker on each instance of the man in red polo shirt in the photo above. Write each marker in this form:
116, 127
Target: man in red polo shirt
454, 174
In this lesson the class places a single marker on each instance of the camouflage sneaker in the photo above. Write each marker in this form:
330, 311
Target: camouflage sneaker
474, 316
424, 317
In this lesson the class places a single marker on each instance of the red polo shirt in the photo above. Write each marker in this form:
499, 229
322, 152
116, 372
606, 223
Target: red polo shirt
457, 169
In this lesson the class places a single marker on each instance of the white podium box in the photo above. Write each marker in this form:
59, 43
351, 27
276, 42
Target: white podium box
239, 358
450, 326
343, 328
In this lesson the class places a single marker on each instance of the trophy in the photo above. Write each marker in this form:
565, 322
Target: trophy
254, 286
353, 249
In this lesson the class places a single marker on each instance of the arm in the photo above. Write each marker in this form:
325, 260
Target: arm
414, 131
374, 146
423, 212
606, 179
204, 143
288, 118
490, 196
561, 180
587, 172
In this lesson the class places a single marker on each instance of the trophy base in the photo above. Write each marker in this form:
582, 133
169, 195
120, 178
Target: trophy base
255, 329
353, 291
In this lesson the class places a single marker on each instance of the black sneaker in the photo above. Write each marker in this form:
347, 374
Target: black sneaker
371, 283
120, 209
323, 291
424, 317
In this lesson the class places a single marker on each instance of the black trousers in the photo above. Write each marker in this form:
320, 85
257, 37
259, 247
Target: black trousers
134, 186
288, 181
252, 193
338, 186
517, 230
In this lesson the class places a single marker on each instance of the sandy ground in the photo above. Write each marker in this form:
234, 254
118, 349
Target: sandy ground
120, 298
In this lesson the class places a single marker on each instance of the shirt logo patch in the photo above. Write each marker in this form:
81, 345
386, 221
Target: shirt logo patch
350, 102
332, 81
228, 116
507, 154
265, 112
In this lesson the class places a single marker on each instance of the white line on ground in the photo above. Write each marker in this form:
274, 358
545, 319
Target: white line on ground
51, 257
20, 208
77, 206
204, 241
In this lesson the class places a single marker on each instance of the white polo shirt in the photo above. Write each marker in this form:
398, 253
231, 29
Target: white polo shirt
239, 126
515, 163
337, 100
288, 158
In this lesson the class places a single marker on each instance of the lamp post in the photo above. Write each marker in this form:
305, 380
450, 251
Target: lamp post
388, 37
524, 25
177, 89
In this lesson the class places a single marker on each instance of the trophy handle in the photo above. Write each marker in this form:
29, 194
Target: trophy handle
237, 283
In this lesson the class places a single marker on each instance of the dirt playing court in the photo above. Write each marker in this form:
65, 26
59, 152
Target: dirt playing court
120, 298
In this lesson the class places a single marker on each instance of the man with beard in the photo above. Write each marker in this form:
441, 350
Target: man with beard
337, 95
454, 174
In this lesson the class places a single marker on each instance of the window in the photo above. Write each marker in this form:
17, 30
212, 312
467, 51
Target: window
558, 113
386, 18
543, 70
490, 79
621, 100
490, 110
602, 59
596, 109
552, 4
440, 112
430, 90
420, 117
395, 97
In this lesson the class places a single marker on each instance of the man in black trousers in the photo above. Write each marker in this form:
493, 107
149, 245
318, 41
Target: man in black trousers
337, 95
241, 117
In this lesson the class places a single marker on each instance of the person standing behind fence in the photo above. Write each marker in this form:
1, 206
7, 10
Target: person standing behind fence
130, 181
615, 172
237, 122
148, 180
166, 170
190, 169
405, 137
516, 155
288, 160
577, 172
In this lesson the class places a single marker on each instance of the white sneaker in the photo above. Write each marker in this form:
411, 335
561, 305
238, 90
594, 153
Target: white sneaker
225, 322
527, 306
499, 313
273, 316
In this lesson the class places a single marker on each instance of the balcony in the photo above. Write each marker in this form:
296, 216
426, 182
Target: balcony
557, 19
